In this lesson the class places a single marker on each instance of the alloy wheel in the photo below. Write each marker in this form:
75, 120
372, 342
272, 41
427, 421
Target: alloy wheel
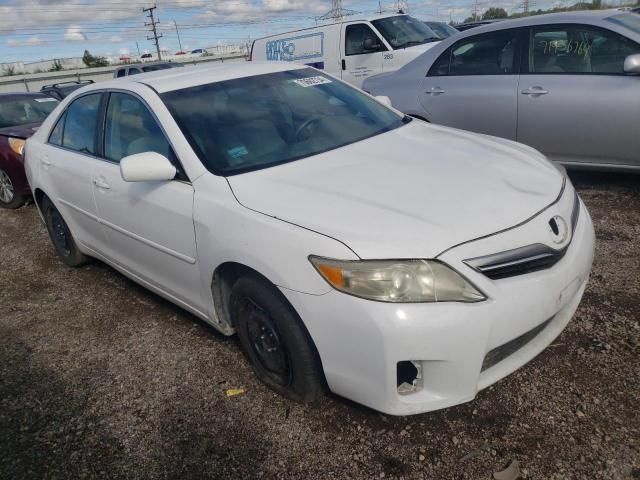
7, 192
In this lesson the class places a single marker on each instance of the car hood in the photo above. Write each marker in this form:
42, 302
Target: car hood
412, 192
20, 131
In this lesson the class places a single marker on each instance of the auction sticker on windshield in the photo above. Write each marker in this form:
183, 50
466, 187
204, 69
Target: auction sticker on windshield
311, 81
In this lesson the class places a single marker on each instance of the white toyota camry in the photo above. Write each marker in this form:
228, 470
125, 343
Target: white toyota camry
405, 266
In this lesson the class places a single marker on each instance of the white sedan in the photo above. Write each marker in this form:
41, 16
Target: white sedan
404, 265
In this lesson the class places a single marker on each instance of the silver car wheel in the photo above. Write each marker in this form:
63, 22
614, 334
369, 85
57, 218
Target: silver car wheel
6, 188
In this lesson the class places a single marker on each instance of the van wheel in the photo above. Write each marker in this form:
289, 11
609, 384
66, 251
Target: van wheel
61, 237
275, 340
9, 198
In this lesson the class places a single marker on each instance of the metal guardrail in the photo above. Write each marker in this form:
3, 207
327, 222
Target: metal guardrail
33, 82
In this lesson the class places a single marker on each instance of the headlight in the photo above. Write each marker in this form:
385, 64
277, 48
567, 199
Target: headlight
401, 281
17, 145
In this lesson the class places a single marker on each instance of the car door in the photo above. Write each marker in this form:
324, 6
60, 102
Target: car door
66, 168
362, 53
149, 225
473, 84
575, 103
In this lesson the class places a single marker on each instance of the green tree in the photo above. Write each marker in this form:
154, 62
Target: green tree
494, 12
57, 66
92, 61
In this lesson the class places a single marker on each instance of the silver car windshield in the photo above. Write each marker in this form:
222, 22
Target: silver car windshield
628, 20
403, 31
252, 123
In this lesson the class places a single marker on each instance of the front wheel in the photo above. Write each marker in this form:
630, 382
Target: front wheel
61, 237
9, 198
275, 340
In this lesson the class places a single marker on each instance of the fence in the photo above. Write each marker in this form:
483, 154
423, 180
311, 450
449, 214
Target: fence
35, 81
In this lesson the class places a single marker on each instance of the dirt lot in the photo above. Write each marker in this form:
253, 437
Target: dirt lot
100, 378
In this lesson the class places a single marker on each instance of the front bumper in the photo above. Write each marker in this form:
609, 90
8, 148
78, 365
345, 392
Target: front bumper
360, 342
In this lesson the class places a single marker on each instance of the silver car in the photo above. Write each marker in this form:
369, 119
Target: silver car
567, 84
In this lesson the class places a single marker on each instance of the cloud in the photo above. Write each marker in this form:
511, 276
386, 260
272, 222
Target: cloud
29, 42
124, 51
116, 39
75, 34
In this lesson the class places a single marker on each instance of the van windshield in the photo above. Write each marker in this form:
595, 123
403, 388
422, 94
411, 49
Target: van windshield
404, 31
256, 122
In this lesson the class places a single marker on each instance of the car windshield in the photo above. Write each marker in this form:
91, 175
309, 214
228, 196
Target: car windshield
404, 31
23, 110
628, 20
257, 122
441, 29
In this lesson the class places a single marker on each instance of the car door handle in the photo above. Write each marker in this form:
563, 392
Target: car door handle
534, 91
45, 163
434, 91
101, 183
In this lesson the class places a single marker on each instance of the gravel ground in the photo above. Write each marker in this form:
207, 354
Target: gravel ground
101, 378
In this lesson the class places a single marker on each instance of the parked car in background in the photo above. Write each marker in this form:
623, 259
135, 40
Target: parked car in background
353, 49
61, 90
146, 55
461, 27
441, 29
20, 116
567, 84
197, 51
181, 53
406, 265
137, 68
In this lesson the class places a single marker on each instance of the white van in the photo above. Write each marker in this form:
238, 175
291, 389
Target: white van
352, 50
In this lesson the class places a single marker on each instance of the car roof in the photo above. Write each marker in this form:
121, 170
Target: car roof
560, 17
179, 78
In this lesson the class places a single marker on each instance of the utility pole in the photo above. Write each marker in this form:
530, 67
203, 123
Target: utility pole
178, 34
138, 47
153, 24
380, 7
402, 6
475, 11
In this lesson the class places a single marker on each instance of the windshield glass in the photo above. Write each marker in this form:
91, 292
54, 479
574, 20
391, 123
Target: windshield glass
22, 110
441, 29
257, 122
629, 20
404, 31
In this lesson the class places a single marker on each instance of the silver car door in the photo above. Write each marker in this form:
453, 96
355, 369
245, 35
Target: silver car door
473, 84
575, 104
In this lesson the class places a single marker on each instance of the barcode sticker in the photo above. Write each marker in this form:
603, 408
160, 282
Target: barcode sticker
311, 81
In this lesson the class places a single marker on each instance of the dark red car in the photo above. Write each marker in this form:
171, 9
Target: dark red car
20, 116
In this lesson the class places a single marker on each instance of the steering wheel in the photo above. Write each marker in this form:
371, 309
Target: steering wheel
306, 124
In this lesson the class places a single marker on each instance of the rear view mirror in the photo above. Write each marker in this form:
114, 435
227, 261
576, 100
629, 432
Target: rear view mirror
370, 44
147, 167
383, 99
632, 64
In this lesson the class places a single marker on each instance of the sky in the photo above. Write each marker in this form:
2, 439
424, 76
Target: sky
32, 30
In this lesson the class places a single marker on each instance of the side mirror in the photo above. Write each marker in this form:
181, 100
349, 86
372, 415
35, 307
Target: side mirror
370, 44
383, 99
147, 167
632, 64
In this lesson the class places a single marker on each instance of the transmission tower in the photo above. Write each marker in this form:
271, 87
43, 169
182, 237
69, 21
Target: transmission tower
402, 6
337, 13
153, 24
525, 7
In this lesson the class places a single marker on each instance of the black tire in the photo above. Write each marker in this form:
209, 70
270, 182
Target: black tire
9, 198
265, 321
61, 237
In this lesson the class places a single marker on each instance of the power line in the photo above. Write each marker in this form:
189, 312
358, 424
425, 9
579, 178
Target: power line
153, 24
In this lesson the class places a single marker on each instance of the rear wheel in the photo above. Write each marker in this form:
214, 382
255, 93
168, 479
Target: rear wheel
275, 340
61, 237
9, 198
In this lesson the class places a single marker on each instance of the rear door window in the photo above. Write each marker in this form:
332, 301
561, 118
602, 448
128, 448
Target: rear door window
577, 49
81, 123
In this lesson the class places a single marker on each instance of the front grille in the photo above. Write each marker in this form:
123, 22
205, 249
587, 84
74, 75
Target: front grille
517, 261
527, 259
505, 350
